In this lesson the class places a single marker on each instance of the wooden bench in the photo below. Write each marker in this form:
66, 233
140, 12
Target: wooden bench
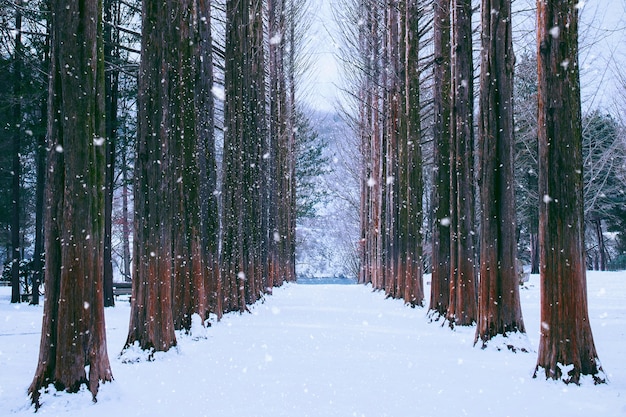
122, 288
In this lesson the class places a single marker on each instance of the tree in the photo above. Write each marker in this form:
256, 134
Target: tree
462, 308
73, 338
16, 156
188, 146
151, 319
526, 169
440, 287
244, 245
499, 309
566, 347
111, 39
311, 164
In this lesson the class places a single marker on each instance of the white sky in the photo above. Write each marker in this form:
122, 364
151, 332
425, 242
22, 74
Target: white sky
602, 34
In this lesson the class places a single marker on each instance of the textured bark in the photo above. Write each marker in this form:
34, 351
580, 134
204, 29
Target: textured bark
462, 309
111, 94
151, 321
73, 336
190, 265
566, 338
499, 310
412, 161
440, 286
244, 240
207, 165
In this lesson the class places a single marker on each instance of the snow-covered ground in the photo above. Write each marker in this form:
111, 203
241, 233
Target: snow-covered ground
329, 350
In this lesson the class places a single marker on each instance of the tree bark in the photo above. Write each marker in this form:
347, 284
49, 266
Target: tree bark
462, 308
499, 309
566, 347
244, 247
440, 281
111, 94
73, 336
151, 320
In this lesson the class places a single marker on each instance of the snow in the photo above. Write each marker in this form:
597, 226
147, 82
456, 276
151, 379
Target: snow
328, 350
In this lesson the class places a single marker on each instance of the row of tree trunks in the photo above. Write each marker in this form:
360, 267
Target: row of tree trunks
390, 126
73, 337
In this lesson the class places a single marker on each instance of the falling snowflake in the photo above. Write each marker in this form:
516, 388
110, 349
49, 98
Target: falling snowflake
555, 31
276, 39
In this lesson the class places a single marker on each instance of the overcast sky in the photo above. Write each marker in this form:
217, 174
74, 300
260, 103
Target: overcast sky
602, 36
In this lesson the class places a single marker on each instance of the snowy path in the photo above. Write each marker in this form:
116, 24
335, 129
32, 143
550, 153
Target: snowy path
329, 350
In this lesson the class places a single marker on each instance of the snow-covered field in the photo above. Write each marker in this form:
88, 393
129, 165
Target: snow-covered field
329, 350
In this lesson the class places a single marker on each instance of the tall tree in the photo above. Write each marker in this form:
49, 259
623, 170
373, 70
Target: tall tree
244, 245
440, 287
151, 319
499, 309
16, 158
73, 338
111, 84
205, 110
566, 347
188, 89
462, 308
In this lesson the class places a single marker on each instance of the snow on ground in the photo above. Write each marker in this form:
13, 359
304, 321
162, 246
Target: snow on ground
329, 350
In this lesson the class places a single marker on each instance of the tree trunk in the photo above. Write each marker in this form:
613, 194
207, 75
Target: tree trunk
207, 165
111, 93
151, 320
566, 348
125, 219
190, 268
499, 309
16, 193
244, 244
73, 336
411, 160
462, 309
440, 281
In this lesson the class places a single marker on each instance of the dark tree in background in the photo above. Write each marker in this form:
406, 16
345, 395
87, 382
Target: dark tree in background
462, 308
16, 161
566, 347
499, 309
111, 87
151, 319
73, 337
440, 287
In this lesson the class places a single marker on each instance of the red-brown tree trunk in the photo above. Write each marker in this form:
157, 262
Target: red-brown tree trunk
151, 320
566, 347
462, 309
245, 247
440, 282
499, 310
73, 336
